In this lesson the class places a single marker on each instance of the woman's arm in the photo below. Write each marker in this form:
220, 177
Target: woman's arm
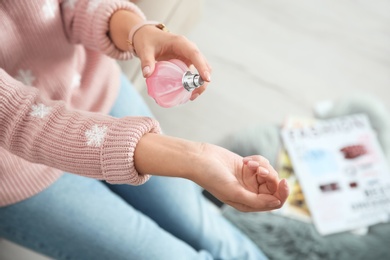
45, 131
88, 23
241, 183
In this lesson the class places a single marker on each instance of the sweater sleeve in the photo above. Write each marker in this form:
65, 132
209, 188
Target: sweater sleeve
87, 22
85, 143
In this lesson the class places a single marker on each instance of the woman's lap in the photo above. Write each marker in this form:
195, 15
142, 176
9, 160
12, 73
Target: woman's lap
80, 218
87, 219
178, 207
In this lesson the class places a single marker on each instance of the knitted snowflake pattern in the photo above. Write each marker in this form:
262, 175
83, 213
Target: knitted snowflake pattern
95, 135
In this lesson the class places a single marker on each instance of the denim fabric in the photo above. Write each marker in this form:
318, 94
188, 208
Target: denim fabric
82, 218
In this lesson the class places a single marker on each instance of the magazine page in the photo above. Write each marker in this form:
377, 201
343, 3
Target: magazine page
295, 206
342, 171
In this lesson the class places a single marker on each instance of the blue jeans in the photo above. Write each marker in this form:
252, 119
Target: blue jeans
83, 218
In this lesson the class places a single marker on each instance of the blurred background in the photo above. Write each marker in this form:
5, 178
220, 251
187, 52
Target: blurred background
276, 58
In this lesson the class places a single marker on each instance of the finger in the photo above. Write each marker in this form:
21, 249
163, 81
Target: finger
258, 158
272, 180
253, 165
146, 56
201, 64
263, 172
247, 159
241, 207
257, 202
198, 91
245, 208
283, 191
189, 51
194, 96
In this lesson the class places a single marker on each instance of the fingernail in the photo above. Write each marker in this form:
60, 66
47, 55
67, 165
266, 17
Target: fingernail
285, 183
194, 97
247, 159
253, 164
146, 71
274, 203
263, 171
207, 75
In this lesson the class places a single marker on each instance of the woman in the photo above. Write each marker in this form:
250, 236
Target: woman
68, 119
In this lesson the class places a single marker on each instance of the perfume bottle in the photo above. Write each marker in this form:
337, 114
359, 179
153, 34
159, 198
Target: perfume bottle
171, 83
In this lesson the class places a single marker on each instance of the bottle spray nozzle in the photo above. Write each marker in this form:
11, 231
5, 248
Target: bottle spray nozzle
172, 82
191, 81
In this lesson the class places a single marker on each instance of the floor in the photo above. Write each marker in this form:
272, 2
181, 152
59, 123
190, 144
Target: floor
276, 58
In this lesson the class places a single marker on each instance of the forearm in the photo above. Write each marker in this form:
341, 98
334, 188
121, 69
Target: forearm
47, 132
214, 168
168, 156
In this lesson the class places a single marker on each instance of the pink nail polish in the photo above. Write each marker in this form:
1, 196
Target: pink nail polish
171, 83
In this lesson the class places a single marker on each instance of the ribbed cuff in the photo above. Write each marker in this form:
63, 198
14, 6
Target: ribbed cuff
101, 21
118, 149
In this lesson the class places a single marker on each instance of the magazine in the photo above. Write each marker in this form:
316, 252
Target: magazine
341, 169
295, 206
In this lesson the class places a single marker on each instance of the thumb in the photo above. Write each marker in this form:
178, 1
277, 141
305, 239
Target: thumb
147, 62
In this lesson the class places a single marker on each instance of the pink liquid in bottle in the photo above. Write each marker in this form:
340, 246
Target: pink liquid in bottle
171, 83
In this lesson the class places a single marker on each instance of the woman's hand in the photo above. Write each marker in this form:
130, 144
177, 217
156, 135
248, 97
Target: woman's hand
247, 184
152, 44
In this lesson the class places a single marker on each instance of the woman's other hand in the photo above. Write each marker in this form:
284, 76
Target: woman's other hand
247, 184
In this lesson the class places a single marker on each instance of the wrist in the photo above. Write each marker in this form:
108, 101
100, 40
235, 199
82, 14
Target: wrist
137, 27
168, 156
120, 25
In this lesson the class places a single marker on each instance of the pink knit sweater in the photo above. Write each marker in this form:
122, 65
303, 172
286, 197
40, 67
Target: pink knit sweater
57, 83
